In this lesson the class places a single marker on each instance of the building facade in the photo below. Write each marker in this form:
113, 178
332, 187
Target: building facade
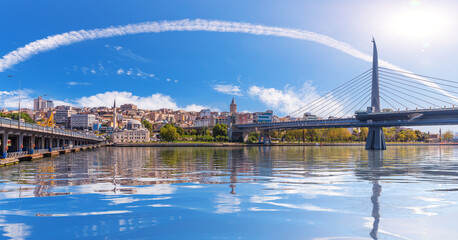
40, 104
82, 121
134, 132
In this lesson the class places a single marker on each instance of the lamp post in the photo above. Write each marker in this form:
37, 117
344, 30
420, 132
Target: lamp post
19, 115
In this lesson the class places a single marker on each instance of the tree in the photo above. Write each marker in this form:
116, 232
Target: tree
363, 134
253, 137
26, 117
147, 125
448, 136
220, 130
169, 133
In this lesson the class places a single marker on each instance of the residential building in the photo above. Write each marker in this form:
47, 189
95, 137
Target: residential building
129, 107
82, 121
263, 117
63, 114
41, 105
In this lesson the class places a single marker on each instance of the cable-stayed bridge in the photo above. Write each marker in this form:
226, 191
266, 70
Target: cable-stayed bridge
379, 97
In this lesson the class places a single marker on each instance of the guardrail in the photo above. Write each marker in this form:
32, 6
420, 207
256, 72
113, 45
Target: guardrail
16, 154
5, 122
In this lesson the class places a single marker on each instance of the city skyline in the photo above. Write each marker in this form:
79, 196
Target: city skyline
195, 70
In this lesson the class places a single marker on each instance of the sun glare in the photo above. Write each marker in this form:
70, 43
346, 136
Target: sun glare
419, 23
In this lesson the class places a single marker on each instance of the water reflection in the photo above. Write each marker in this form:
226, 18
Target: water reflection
375, 162
280, 192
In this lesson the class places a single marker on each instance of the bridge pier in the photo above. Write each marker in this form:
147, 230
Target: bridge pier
4, 144
375, 139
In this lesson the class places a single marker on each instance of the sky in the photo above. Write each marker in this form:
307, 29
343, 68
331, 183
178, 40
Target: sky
205, 69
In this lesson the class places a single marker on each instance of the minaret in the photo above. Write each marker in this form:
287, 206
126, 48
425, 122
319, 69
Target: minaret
233, 107
115, 123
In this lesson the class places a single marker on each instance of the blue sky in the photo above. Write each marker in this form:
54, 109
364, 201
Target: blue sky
206, 69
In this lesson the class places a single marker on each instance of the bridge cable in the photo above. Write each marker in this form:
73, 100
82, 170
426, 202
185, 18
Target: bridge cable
416, 87
406, 79
415, 104
351, 103
330, 109
337, 96
316, 102
362, 99
410, 73
357, 78
381, 93
394, 108
423, 95
362, 106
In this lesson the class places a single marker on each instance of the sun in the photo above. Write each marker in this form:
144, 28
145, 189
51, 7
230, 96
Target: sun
418, 22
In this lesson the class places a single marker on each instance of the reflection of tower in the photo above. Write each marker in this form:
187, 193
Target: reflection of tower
115, 122
233, 167
233, 106
375, 162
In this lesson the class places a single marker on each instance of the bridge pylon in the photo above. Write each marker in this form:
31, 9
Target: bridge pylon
375, 138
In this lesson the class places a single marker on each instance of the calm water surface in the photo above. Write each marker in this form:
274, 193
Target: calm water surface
405, 192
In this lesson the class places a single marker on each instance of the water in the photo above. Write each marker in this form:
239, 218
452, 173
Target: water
407, 192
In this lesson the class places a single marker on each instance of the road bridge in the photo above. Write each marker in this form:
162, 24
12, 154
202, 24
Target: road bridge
18, 139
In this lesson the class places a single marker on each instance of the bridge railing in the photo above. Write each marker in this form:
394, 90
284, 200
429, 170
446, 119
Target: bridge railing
16, 154
5, 122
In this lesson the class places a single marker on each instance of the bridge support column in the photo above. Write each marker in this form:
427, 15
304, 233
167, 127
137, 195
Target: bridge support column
32, 144
4, 144
20, 142
375, 139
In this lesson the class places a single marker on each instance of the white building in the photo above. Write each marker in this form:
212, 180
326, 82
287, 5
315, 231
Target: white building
82, 121
134, 132
63, 114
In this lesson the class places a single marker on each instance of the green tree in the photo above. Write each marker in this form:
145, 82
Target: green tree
253, 137
220, 130
147, 125
169, 133
15, 116
447, 136
363, 133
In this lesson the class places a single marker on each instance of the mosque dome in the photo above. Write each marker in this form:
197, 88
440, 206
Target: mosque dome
134, 124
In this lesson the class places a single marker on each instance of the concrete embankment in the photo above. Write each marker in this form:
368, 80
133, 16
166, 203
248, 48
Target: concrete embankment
38, 155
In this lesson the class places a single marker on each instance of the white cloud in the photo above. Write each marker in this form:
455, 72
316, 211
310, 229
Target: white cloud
120, 71
93, 71
228, 89
197, 108
10, 99
290, 99
168, 79
78, 83
176, 81
153, 102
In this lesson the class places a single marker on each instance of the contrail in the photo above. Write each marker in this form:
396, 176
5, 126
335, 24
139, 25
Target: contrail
52, 42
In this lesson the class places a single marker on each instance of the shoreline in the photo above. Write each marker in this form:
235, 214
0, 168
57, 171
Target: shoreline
270, 145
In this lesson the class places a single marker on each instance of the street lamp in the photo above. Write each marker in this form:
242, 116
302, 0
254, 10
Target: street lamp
19, 115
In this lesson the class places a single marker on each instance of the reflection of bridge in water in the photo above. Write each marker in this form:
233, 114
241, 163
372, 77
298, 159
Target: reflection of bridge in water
407, 90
